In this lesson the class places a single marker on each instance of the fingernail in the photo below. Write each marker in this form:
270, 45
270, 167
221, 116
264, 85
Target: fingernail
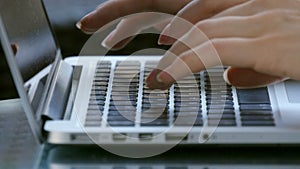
152, 76
110, 42
153, 81
107, 42
165, 78
78, 25
164, 38
104, 44
85, 24
158, 78
162, 80
225, 76
84, 30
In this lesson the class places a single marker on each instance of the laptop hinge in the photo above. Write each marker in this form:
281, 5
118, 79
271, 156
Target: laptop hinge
60, 93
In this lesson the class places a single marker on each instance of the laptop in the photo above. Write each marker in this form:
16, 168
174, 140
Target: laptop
104, 99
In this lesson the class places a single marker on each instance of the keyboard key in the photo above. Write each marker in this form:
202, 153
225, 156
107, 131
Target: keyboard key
220, 106
100, 84
122, 108
121, 113
146, 115
97, 102
253, 96
121, 123
258, 118
156, 122
255, 107
123, 103
256, 112
222, 116
95, 107
121, 118
218, 111
224, 123
256, 123
188, 122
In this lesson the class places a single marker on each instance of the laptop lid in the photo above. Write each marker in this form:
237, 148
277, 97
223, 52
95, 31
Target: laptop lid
24, 25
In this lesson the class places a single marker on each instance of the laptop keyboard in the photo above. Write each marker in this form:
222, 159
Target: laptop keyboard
123, 101
98, 95
219, 99
255, 107
197, 100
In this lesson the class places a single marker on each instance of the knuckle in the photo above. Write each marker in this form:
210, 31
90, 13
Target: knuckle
277, 15
259, 3
218, 44
218, 47
203, 25
265, 62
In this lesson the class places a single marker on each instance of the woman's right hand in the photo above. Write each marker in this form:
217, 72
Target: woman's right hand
134, 24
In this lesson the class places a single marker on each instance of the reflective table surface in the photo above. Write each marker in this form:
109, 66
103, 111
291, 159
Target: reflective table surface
214, 157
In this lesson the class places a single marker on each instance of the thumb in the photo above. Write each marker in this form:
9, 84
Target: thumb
248, 78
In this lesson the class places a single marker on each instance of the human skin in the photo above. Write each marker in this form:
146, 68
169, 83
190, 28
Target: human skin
258, 39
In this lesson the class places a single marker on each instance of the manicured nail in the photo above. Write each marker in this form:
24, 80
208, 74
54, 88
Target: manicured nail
165, 78
110, 43
225, 76
153, 81
107, 42
158, 78
104, 44
85, 23
84, 30
78, 25
152, 77
164, 38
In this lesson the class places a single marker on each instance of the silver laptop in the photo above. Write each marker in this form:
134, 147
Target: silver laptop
104, 100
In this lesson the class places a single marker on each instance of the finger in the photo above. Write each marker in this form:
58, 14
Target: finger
210, 54
103, 14
191, 14
214, 29
130, 27
244, 9
254, 7
112, 43
160, 26
248, 78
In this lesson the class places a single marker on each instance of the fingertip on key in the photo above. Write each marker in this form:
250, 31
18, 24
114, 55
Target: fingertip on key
159, 80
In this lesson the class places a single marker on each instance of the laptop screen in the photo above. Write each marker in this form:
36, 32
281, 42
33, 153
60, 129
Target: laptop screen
27, 30
27, 27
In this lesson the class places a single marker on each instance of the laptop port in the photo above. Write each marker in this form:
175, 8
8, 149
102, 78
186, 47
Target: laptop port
176, 137
119, 136
145, 136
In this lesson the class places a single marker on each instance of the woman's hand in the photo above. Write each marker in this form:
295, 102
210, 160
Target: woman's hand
258, 38
132, 25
